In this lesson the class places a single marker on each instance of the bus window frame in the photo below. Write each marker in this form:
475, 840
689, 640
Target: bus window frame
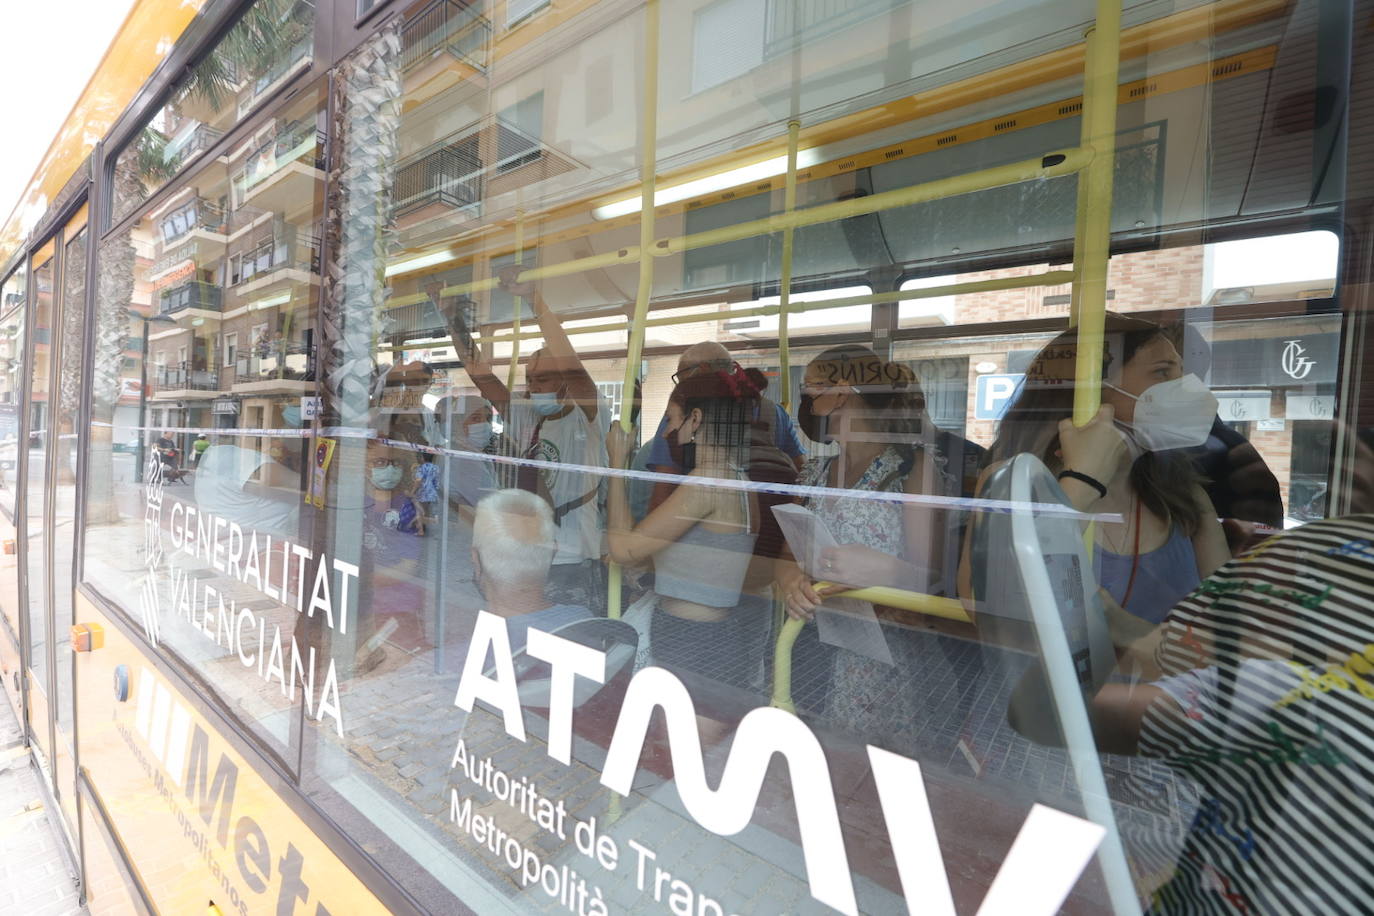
200, 39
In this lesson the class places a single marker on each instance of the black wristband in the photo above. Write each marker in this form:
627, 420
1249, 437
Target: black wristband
1090, 481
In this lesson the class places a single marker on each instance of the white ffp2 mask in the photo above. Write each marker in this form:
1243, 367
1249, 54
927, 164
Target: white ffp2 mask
1175, 414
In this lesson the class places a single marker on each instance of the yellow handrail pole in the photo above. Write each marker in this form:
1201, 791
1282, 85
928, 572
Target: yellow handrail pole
782, 664
519, 302
1052, 278
1053, 164
934, 606
789, 204
1092, 232
1050, 165
648, 161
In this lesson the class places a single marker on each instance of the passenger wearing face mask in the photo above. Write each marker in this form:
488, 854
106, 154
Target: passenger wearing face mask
1132, 460
869, 420
706, 621
562, 420
393, 532
469, 471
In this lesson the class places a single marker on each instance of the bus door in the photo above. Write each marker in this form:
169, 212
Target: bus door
50, 500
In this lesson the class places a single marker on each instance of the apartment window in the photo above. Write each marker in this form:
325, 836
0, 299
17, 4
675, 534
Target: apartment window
231, 348
519, 128
517, 10
614, 393
727, 41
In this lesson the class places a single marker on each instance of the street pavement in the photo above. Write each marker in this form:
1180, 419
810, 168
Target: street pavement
35, 878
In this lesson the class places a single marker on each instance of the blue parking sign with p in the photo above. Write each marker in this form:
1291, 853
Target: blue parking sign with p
994, 395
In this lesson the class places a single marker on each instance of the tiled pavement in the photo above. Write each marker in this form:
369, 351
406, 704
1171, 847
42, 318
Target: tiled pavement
34, 876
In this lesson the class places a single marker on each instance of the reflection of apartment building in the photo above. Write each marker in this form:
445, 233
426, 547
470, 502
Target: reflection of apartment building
234, 275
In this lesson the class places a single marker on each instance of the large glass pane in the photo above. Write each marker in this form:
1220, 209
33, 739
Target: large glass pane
63, 460
205, 361
271, 43
39, 449
1017, 653
11, 381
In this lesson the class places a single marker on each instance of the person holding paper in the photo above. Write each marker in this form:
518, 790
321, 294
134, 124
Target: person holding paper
873, 413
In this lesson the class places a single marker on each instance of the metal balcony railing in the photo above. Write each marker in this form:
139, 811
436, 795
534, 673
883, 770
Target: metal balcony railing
185, 147
260, 85
286, 145
196, 294
293, 362
198, 214
445, 175
446, 26
273, 254
182, 377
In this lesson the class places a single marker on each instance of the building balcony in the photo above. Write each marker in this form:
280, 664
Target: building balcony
445, 27
190, 298
448, 176
190, 143
199, 219
282, 370
183, 382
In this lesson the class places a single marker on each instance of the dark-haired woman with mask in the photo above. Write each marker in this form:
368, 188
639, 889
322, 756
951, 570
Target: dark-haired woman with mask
1129, 461
702, 537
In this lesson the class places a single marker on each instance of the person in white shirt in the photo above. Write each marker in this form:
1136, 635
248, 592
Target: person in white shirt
559, 428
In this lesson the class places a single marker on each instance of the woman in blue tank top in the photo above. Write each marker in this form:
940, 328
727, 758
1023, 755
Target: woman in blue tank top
1126, 462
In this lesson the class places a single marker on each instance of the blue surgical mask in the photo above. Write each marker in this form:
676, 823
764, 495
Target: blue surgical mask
478, 434
386, 478
545, 403
291, 415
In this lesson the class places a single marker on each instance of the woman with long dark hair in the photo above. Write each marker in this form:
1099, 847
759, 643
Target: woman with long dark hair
1129, 461
702, 537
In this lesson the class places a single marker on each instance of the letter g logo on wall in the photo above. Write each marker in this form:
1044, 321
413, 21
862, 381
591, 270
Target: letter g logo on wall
1294, 364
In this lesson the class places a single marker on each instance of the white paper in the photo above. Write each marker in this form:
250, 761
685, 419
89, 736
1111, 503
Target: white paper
842, 622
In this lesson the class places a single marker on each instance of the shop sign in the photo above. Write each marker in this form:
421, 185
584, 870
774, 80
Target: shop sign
1310, 406
1243, 406
182, 272
225, 406
1274, 362
311, 407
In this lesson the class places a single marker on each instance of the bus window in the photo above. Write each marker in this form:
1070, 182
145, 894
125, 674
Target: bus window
271, 43
205, 355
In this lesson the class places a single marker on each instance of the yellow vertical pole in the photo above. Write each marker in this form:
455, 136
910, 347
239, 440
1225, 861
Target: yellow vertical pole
789, 203
1092, 230
519, 302
648, 159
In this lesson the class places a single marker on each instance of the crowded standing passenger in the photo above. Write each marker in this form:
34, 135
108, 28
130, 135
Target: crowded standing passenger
702, 537
562, 421
871, 414
1130, 461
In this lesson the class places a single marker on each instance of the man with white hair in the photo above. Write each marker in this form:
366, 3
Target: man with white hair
513, 542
